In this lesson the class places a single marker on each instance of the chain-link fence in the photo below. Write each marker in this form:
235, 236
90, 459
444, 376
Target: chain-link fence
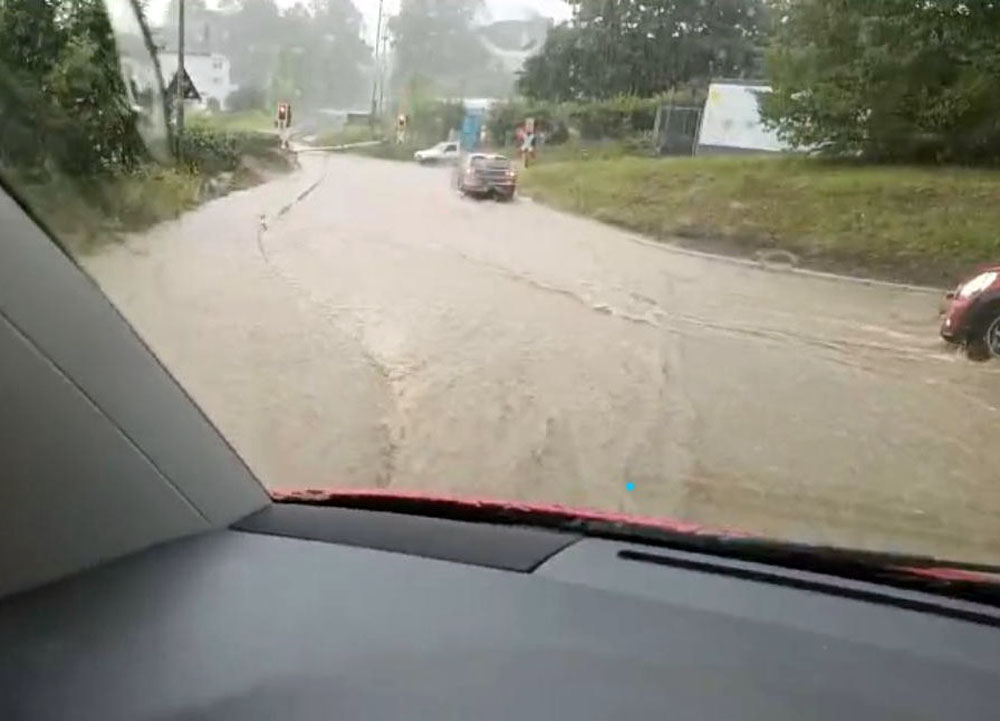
676, 129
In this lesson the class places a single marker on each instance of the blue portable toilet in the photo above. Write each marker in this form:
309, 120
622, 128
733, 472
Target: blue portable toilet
472, 128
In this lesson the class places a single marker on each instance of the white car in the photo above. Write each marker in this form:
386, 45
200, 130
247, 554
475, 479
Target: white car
446, 152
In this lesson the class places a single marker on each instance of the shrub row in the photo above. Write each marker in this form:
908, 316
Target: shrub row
621, 117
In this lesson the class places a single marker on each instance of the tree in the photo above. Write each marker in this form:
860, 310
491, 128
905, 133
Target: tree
437, 40
63, 102
249, 40
335, 53
552, 73
890, 80
644, 47
311, 53
247, 97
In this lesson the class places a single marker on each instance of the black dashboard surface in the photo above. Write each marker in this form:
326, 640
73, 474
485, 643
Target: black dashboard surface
481, 544
236, 625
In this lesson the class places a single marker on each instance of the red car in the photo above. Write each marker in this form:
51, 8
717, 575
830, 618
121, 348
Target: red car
972, 314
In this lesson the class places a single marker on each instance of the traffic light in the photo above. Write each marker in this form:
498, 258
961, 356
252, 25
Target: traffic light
284, 115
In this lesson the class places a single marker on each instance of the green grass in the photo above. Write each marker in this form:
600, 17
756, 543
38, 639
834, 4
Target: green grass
577, 150
248, 121
87, 212
390, 150
346, 136
915, 224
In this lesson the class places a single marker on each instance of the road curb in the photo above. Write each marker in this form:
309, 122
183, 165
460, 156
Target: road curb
666, 246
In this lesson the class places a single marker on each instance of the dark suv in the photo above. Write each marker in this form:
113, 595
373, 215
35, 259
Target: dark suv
486, 176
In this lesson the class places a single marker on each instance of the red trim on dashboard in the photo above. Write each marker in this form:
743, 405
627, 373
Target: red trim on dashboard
486, 504
351, 497
954, 574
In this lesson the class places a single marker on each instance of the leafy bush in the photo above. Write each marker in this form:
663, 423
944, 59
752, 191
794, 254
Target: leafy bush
504, 118
892, 81
208, 151
432, 120
559, 134
62, 100
617, 118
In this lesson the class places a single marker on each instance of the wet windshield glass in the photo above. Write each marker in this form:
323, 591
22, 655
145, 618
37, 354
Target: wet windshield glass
745, 275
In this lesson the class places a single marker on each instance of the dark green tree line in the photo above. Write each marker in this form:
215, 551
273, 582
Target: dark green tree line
645, 47
311, 53
436, 42
896, 80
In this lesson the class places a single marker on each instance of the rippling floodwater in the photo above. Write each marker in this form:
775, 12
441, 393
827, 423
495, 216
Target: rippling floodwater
358, 324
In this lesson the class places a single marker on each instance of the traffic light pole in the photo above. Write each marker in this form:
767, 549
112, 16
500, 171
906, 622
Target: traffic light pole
179, 77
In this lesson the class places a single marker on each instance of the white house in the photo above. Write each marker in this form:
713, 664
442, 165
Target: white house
208, 71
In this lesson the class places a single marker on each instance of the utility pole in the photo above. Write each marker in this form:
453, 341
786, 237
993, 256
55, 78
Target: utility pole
180, 76
382, 69
378, 35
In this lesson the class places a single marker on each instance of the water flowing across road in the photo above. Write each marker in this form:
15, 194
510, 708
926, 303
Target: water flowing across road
358, 324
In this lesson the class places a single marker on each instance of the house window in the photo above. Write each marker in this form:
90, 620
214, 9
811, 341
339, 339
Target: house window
216, 63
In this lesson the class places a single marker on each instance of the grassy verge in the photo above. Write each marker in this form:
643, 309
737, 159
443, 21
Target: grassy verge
346, 136
390, 150
85, 213
248, 121
566, 152
902, 223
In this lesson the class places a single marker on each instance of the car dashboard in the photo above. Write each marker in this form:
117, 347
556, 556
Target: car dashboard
302, 612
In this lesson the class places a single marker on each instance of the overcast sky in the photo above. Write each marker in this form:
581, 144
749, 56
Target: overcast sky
500, 9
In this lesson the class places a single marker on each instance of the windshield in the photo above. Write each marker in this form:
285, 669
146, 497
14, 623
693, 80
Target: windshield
736, 280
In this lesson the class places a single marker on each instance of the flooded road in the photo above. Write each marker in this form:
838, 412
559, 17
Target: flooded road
358, 324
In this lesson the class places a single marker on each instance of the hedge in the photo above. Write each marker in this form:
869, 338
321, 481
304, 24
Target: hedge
617, 118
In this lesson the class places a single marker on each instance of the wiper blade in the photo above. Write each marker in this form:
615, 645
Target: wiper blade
975, 582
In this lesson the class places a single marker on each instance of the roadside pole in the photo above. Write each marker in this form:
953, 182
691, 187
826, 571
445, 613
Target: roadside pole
382, 69
180, 78
375, 78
